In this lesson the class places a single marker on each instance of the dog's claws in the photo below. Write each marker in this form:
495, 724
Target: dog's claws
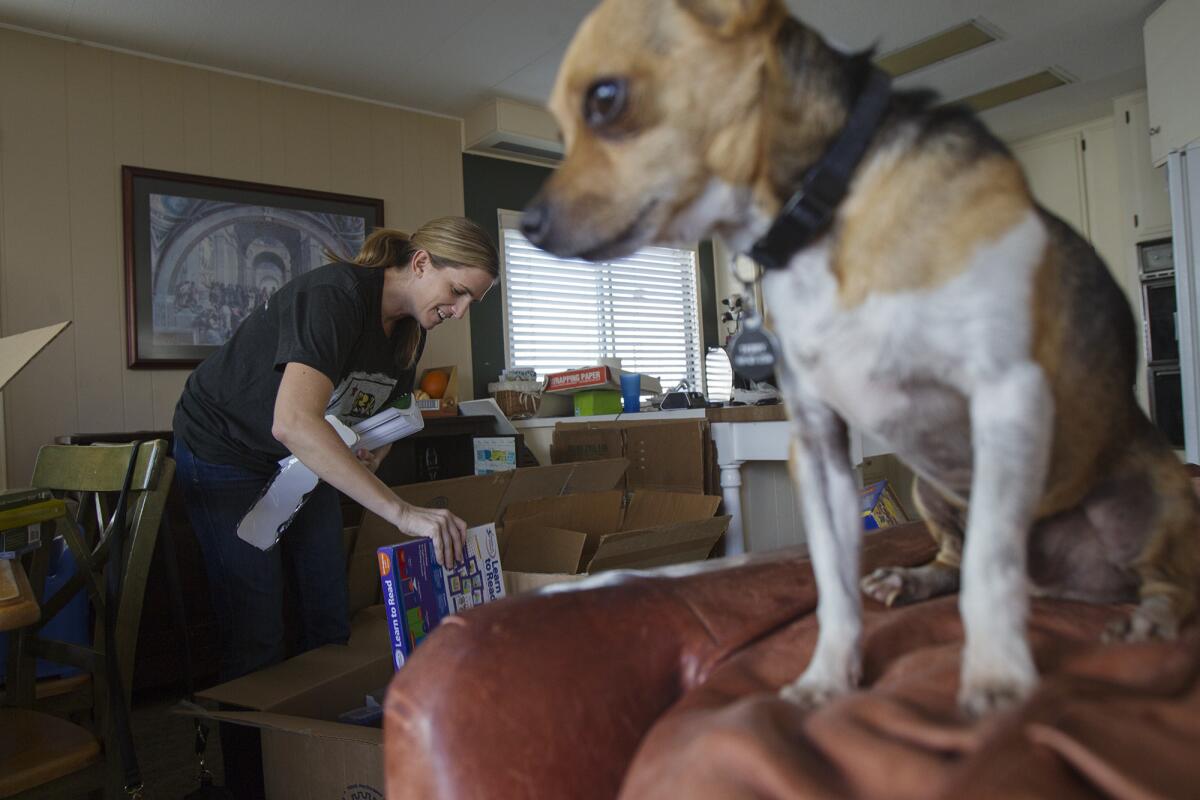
1153, 619
979, 701
809, 695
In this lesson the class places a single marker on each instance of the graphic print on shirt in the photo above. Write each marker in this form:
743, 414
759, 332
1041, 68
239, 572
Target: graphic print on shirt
360, 395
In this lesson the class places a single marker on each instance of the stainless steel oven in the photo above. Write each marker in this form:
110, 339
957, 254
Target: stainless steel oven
1161, 327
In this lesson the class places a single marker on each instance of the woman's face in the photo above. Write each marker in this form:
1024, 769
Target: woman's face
442, 293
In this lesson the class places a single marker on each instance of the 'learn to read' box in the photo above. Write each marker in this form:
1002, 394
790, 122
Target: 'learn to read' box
418, 593
880, 506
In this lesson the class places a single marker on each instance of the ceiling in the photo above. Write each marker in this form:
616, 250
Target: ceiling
448, 56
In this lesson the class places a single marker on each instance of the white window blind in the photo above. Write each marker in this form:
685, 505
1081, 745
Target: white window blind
565, 313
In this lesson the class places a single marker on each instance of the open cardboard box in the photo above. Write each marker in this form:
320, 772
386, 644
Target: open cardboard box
556, 539
296, 703
478, 500
657, 528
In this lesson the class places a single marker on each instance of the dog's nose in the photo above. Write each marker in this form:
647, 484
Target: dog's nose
535, 223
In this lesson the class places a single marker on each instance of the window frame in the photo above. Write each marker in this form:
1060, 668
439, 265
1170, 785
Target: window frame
507, 219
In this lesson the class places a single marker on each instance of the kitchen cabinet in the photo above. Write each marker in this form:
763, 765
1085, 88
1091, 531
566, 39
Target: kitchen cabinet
1054, 168
1171, 34
1147, 203
1076, 173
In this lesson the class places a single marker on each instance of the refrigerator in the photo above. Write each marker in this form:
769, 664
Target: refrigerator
1183, 177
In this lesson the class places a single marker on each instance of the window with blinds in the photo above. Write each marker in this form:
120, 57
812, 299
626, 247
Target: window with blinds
565, 313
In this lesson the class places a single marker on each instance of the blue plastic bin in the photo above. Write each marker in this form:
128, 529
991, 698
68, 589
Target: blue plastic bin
70, 625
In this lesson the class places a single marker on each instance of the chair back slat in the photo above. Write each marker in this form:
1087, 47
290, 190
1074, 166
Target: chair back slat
97, 468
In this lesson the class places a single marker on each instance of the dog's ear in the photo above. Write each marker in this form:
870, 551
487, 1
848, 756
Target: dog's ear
731, 17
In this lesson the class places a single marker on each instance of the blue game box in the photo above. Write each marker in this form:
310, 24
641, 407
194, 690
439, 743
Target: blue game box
418, 593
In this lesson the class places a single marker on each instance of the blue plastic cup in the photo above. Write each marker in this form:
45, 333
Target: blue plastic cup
631, 386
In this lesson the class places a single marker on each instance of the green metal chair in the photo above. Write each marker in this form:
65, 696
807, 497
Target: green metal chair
43, 755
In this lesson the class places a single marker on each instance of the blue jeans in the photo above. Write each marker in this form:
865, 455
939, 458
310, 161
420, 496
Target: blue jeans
247, 584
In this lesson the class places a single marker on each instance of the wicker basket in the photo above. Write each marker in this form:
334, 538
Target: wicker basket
517, 399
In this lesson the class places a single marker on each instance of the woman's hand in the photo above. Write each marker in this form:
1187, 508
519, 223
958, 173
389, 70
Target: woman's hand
448, 532
371, 459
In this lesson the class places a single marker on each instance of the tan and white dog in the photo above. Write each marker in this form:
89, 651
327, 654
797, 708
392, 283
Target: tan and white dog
942, 310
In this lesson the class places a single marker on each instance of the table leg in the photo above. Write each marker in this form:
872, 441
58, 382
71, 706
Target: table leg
731, 493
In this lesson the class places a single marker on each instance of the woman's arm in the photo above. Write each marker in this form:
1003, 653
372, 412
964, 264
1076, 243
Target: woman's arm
300, 426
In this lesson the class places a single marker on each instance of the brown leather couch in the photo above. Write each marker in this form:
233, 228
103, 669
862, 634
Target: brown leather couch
663, 685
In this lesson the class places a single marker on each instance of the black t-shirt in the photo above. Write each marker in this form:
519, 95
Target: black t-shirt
329, 319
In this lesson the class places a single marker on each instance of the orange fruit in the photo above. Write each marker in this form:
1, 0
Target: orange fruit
434, 382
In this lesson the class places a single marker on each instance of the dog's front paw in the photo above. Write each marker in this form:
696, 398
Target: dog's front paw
1155, 618
812, 693
985, 692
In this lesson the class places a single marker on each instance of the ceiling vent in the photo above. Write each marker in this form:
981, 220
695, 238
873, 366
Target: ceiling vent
513, 130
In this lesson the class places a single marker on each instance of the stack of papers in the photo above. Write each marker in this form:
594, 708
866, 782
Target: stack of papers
387, 426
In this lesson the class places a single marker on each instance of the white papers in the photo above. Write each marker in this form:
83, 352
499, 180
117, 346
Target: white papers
487, 408
387, 426
290, 486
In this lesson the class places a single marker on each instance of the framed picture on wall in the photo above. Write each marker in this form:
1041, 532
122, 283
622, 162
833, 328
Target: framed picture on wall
202, 253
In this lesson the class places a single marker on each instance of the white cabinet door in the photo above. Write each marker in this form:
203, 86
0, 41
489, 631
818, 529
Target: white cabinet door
1171, 35
1054, 168
1146, 185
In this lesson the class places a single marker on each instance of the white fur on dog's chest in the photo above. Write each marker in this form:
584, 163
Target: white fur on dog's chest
904, 364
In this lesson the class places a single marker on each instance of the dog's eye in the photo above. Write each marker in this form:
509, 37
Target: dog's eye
604, 102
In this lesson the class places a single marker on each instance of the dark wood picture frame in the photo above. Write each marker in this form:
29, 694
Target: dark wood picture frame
202, 252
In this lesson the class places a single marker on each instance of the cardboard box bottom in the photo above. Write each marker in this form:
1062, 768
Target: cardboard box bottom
296, 765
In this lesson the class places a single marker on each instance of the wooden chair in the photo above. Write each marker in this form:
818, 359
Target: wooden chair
42, 755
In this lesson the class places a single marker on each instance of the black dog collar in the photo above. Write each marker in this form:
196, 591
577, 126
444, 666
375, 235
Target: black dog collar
824, 185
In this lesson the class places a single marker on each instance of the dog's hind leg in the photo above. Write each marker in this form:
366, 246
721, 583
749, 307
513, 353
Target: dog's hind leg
828, 494
1168, 566
900, 585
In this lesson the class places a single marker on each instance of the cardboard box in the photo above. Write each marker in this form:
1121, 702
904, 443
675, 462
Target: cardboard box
596, 401
598, 377
556, 539
664, 455
418, 593
494, 454
657, 528
478, 499
880, 506
447, 404
296, 703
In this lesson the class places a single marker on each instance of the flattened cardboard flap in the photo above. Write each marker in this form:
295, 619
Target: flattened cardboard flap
544, 550
590, 512
531, 483
319, 684
267, 720
668, 457
475, 498
649, 508
19, 349
654, 547
573, 442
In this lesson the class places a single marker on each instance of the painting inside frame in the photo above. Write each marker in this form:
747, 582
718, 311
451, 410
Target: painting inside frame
202, 253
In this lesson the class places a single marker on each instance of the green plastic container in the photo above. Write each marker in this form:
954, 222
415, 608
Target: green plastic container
597, 401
